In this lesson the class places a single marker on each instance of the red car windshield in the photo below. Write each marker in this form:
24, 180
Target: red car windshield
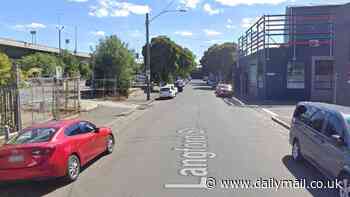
33, 135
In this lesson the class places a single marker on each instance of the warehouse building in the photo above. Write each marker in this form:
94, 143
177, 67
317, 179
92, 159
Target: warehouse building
303, 54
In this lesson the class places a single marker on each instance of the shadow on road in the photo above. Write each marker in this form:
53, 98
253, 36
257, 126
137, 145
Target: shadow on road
306, 171
37, 188
202, 83
203, 88
163, 98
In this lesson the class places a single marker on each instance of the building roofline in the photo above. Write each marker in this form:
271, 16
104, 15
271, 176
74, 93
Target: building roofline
315, 5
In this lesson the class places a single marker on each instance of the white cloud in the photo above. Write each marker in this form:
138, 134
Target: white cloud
209, 32
211, 11
136, 34
249, 2
33, 25
78, 1
229, 26
184, 33
215, 41
247, 22
115, 8
190, 3
98, 33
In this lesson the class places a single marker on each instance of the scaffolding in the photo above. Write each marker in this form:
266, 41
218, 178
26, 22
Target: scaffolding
290, 31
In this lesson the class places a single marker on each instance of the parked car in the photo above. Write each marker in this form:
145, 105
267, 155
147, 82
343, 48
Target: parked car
224, 90
53, 149
320, 134
173, 87
210, 82
180, 84
167, 91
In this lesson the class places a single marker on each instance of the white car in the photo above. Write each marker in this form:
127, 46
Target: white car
172, 86
167, 92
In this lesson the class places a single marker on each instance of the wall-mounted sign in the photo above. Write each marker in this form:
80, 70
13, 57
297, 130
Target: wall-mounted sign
314, 43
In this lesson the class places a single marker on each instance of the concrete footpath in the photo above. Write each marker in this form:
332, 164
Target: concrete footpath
111, 113
280, 112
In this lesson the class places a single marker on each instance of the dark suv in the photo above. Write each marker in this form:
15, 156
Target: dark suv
320, 133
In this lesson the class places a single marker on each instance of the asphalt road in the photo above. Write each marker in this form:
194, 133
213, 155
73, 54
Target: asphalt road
224, 141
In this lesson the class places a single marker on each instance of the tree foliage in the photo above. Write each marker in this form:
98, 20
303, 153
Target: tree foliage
39, 63
219, 60
169, 60
70, 64
5, 69
114, 60
43, 64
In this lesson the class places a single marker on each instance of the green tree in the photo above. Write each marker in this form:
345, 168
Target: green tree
169, 60
85, 70
5, 69
69, 63
42, 63
219, 60
113, 59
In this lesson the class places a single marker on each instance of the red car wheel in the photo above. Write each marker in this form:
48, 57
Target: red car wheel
73, 168
110, 144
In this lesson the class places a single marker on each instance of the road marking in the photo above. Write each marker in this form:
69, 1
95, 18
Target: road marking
194, 156
201, 185
270, 112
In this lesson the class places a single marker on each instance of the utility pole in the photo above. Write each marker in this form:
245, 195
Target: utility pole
18, 117
60, 29
76, 40
148, 49
148, 59
33, 33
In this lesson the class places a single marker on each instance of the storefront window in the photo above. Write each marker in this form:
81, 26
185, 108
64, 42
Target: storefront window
296, 75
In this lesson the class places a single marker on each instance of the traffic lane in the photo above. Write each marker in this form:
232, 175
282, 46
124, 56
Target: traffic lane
249, 145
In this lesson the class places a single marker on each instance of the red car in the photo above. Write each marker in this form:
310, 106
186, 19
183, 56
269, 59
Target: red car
224, 90
53, 149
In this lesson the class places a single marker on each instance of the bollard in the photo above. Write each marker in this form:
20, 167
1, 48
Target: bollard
7, 133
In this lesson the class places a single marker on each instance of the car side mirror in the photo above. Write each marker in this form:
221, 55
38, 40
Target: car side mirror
338, 140
97, 130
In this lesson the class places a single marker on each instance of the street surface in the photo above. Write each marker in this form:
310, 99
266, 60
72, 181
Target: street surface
231, 142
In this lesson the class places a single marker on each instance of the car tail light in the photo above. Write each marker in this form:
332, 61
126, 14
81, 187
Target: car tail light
42, 151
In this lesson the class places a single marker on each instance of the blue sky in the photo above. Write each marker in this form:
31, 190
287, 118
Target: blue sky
205, 23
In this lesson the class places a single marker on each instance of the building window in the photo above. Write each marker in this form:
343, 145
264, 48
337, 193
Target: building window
323, 78
260, 76
252, 75
296, 75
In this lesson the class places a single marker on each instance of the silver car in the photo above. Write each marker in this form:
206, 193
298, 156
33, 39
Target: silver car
320, 134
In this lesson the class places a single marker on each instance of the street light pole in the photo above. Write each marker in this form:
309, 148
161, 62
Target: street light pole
60, 29
148, 49
148, 59
33, 33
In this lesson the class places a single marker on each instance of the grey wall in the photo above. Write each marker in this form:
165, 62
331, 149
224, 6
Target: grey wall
342, 54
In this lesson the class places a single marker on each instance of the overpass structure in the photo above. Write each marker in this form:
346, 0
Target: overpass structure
17, 49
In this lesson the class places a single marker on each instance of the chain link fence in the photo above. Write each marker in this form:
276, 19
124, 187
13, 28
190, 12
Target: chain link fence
44, 99
38, 100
